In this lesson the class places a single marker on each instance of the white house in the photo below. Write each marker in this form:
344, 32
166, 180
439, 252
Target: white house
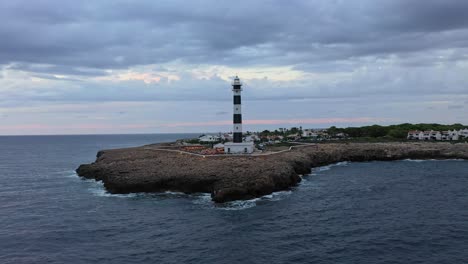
437, 135
413, 134
309, 133
445, 135
209, 138
463, 133
226, 136
315, 133
453, 135
251, 138
424, 135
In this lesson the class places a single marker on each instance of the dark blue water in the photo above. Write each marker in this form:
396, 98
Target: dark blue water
377, 212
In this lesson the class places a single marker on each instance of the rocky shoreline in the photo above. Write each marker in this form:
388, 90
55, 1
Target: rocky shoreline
227, 178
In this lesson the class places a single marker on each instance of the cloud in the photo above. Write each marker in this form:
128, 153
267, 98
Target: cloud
387, 60
56, 70
117, 34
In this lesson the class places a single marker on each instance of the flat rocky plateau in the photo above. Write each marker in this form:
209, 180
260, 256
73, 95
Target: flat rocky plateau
227, 178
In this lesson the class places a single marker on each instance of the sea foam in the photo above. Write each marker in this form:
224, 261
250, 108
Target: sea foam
328, 167
420, 160
205, 201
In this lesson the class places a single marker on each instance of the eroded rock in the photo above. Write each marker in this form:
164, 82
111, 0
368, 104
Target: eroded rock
227, 178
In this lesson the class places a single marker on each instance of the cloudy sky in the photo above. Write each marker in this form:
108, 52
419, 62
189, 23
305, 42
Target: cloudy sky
112, 66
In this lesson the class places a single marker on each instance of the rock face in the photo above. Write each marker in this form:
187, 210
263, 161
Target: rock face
227, 178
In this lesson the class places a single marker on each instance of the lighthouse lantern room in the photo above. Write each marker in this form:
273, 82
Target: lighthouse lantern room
237, 146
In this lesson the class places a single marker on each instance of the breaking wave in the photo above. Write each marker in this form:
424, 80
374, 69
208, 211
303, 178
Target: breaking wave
423, 160
97, 189
328, 167
205, 200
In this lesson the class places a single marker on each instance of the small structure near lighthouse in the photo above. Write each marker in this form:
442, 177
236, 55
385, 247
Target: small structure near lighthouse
238, 146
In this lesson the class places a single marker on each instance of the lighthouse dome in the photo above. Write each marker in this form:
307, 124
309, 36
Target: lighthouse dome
236, 81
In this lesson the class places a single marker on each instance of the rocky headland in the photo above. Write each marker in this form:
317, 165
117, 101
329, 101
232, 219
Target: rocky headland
152, 168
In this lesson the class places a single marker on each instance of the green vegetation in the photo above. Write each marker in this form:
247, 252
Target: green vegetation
193, 141
393, 131
282, 132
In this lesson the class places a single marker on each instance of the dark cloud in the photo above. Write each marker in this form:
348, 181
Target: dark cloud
72, 35
430, 16
455, 106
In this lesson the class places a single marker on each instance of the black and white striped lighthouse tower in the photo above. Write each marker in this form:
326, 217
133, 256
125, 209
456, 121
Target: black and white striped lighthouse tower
237, 130
238, 146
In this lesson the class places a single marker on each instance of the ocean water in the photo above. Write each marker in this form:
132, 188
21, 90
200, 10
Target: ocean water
375, 212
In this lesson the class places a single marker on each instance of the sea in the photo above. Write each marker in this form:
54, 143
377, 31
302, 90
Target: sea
408, 211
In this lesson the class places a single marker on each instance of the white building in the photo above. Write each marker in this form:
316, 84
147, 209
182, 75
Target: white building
209, 138
430, 135
309, 133
445, 135
413, 134
238, 148
315, 133
453, 135
463, 133
251, 138
226, 136
424, 135
437, 135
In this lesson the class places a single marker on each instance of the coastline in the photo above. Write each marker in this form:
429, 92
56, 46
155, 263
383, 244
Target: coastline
152, 169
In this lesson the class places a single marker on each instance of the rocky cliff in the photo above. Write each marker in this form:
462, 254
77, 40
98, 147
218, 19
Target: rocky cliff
227, 178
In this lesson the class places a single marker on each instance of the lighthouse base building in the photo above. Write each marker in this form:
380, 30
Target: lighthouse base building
238, 148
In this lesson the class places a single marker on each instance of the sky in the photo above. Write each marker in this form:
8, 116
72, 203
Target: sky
116, 67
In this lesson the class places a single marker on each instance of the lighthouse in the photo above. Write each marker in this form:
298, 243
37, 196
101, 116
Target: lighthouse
237, 146
237, 119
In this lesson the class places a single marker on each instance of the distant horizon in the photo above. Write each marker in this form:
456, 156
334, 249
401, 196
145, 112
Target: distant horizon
216, 132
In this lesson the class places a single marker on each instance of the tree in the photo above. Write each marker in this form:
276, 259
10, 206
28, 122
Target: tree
293, 130
265, 133
333, 130
398, 133
375, 131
